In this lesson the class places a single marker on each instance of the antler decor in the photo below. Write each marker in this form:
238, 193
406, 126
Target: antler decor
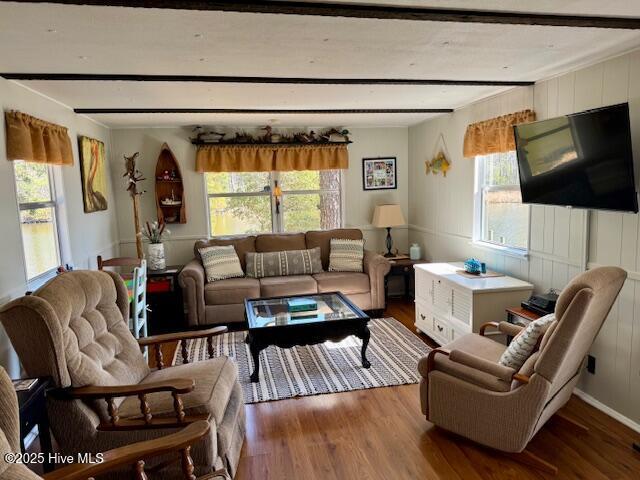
134, 176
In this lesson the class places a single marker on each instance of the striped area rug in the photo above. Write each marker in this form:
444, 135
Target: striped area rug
329, 367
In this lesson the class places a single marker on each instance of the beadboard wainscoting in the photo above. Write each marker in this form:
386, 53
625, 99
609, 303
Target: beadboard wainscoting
562, 242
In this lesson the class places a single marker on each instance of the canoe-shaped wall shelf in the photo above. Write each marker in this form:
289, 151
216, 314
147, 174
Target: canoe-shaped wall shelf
170, 197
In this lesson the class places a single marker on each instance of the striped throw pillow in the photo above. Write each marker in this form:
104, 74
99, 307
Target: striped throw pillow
288, 262
523, 345
346, 255
221, 263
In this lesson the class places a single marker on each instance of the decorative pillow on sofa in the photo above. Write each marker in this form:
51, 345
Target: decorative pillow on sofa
346, 255
523, 345
289, 262
220, 263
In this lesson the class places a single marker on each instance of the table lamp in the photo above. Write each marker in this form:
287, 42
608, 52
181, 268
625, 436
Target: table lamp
387, 216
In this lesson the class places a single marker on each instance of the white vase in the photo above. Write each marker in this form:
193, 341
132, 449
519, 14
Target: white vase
414, 252
155, 256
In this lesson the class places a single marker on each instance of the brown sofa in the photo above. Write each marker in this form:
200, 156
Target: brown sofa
221, 302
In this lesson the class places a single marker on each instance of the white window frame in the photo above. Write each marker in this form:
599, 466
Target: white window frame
478, 217
276, 220
59, 215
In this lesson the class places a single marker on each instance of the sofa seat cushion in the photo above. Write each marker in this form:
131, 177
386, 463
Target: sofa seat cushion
345, 282
231, 291
214, 383
293, 285
477, 345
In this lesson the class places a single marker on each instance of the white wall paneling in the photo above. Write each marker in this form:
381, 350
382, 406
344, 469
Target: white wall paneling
562, 241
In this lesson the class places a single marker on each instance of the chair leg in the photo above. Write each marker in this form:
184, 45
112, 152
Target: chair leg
526, 457
571, 423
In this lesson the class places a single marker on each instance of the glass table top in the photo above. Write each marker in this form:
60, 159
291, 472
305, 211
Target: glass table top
274, 312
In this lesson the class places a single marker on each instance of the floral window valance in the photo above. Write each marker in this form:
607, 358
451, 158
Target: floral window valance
34, 140
270, 158
494, 135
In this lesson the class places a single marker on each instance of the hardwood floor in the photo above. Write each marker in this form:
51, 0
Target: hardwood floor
381, 434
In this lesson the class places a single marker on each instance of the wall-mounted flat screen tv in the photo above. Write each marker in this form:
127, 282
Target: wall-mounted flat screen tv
583, 160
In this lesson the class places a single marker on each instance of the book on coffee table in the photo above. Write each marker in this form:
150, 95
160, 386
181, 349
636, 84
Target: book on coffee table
301, 305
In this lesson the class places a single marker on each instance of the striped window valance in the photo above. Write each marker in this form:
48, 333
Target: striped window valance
34, 140
270, 158
494, 135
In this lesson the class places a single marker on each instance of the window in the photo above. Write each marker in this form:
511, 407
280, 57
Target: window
37, 209
243, 203
500, 217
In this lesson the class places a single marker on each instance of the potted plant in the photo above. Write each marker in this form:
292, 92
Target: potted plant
154, 233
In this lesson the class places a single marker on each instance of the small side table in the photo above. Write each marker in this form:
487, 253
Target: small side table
164, 297
33, 411
521, 316
402, 267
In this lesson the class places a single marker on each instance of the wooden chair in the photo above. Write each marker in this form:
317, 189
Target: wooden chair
139, 303
118, 262
138, 325
120, 459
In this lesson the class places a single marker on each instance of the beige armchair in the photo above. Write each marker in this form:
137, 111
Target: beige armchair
75, 331
464, 389
132, 456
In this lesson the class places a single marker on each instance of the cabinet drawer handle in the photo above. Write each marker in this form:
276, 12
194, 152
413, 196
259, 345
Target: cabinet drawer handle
439, 328
423, 317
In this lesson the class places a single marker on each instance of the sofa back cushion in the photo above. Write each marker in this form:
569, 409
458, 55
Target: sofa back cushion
241, 244
279, 264
322, 239
279, 242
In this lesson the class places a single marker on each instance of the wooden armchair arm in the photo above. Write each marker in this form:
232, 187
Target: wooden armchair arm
94, 392
174, 337
109, 393
157, 340
484, 327
179, 442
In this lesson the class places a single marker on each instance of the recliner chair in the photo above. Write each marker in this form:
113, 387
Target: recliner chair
464, 390
75, 330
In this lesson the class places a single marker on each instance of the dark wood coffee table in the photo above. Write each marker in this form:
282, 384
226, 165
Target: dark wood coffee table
270, 323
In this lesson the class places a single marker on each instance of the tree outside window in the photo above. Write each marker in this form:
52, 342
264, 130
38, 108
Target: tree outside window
243, 203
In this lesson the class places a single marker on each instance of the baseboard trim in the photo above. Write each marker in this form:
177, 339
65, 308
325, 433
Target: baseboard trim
607, 410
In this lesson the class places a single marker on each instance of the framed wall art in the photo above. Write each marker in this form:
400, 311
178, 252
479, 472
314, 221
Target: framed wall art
379, 173
94, 177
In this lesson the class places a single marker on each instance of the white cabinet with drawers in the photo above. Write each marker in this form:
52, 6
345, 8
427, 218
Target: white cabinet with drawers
449, 305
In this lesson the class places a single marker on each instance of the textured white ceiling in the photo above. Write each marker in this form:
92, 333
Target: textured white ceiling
80, 39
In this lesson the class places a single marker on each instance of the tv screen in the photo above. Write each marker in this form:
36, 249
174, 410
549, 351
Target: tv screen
581, 160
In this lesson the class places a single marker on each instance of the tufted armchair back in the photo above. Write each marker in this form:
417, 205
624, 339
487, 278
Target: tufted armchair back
75, 330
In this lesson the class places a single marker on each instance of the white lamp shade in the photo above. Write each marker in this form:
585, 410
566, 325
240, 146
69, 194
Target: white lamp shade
388, 216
